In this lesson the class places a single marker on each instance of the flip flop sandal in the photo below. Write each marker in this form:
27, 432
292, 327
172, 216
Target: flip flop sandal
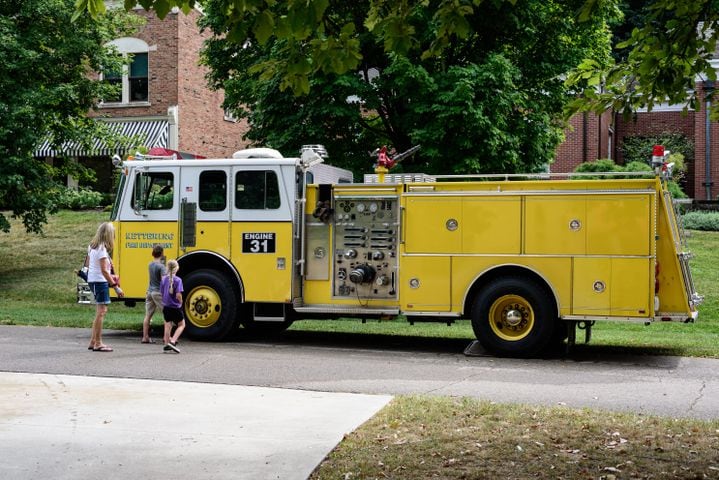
148, 341
102, 348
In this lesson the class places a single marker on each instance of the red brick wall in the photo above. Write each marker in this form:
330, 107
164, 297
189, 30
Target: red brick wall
586, 139
202, 128
177, 79
161, 36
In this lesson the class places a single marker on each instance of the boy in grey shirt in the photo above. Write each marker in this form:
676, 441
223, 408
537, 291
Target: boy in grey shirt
153, 298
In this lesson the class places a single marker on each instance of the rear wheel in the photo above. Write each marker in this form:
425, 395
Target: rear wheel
514, 317
211, 304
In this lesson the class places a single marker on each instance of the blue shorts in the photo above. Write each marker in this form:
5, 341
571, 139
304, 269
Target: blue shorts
101, 291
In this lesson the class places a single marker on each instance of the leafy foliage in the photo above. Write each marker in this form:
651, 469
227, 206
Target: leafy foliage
46, 87
480, 107
670, 46
78, 199
606, 165
700, 220
638, 148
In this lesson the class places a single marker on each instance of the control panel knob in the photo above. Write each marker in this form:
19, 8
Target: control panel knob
377, 255
362, 274
382, 280
351, 253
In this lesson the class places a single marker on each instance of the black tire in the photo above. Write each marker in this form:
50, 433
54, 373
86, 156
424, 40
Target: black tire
561, 333
514, 317
212, 300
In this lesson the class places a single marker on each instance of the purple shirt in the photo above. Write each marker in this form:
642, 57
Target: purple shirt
170, 300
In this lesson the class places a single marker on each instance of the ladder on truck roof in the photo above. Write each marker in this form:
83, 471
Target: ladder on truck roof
680, 244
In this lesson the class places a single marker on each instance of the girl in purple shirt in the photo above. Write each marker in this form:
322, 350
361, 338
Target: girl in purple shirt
171, 290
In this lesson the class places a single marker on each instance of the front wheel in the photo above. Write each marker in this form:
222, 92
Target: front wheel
514, 317
211, 304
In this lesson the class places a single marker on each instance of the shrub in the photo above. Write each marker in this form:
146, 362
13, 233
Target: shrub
80, 199
601, 165
676, 190
638, 148
638, 167
698, 220
607, 165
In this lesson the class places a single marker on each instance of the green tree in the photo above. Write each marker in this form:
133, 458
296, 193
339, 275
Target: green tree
666, 53
47, 86
491, 102
669, 46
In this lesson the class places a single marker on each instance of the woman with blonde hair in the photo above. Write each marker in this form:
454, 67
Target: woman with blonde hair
171, 291
100, 280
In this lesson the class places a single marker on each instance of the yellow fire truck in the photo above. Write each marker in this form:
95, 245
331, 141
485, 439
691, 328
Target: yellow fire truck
263, 241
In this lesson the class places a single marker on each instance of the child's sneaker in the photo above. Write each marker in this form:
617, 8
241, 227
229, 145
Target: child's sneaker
173, 346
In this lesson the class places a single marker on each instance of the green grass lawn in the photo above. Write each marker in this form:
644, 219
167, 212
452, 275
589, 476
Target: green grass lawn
37, 282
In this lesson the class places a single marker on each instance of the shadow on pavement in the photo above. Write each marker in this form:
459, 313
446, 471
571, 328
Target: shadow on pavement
648, 356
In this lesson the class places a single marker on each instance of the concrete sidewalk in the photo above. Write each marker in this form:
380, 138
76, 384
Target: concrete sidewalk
70, 427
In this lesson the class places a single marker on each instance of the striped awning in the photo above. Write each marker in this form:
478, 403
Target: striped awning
130, 134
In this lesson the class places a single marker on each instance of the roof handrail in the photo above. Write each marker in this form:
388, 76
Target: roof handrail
541, 176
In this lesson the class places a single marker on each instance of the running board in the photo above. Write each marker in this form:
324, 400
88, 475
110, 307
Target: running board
349, 310
675, 317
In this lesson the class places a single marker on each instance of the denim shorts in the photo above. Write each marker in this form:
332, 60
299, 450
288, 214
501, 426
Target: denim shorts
101, 291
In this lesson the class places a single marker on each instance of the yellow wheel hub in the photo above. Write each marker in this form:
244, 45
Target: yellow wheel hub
203, 306
511, 317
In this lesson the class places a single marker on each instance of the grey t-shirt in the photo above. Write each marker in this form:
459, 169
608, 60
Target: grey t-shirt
157, 270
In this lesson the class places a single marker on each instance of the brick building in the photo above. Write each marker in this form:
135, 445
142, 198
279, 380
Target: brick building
165, 101
592, 137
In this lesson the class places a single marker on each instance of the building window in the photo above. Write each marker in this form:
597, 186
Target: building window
137, 78
133, 80
114, 78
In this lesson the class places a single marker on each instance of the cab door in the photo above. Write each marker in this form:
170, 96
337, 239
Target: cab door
261, 230
148, 216
207, 189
